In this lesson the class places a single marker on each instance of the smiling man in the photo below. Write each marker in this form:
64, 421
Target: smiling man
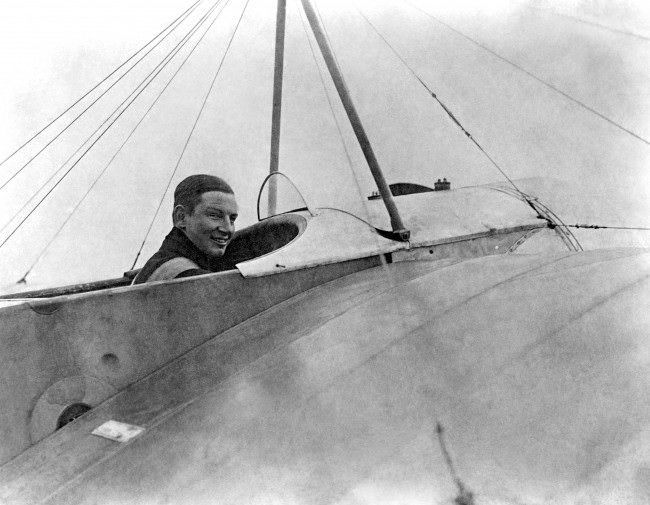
204, 216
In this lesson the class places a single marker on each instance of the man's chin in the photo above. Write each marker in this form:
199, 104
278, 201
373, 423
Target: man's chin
217, 251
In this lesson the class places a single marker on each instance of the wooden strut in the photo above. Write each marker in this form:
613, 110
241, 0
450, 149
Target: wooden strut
277, 103
399, 230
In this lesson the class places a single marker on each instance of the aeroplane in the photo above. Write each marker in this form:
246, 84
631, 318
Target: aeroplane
452, 345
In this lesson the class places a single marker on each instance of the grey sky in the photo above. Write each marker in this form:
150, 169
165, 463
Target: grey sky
54, 54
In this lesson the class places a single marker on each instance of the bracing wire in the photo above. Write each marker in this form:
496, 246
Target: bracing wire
188, 11
551, 217
187, 141
435, 97
553, 220
590, 23
533, 76
133, 96
601, 226
4, 184
331, 105
327, 95
163, 63
338, 127
144, 116
327, 35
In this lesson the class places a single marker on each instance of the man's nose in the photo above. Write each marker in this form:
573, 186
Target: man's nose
227, 226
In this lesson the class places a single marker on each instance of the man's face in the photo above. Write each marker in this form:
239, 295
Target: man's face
211, 225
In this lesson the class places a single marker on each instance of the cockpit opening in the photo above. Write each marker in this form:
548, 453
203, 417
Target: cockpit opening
251, 242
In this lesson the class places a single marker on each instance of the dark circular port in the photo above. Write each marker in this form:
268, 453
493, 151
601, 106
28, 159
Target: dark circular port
71, 413
110, 360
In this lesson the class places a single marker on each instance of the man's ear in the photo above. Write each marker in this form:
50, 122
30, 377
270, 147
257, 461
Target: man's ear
179, 216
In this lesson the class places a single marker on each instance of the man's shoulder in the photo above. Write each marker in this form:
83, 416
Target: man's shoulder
161, 268
172, 268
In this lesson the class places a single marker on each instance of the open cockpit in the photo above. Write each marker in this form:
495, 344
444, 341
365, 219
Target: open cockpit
293, 235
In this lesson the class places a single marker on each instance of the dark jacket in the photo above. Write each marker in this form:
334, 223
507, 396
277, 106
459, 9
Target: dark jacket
177, 245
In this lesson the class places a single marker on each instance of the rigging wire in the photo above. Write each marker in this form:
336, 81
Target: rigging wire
553, 220
435, 97
327, 95
134, 96
187, 57
188, 11
601, 226
546, 212
533, 76
331, 105
586, 22
399, 231
327, 35
187, 141
364, 203
4, 184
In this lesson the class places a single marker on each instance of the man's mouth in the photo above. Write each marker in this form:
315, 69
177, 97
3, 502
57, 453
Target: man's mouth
220, 241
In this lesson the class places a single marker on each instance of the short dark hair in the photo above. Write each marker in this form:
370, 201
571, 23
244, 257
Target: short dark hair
189, 190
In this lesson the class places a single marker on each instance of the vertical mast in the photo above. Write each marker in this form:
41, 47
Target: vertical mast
396, 221
277, 103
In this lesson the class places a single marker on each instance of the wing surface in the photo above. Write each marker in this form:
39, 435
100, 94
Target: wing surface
536, 366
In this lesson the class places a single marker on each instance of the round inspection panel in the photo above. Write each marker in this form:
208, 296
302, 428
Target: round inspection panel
64, 401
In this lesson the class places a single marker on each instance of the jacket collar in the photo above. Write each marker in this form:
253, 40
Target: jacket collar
178, 244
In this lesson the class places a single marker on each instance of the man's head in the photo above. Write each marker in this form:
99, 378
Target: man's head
205, 209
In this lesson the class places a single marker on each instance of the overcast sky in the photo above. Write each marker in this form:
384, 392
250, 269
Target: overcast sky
596, 52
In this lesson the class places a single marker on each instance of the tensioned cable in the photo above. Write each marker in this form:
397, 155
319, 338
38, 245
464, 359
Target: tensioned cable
336, 122
173, 50
88, 107
599, 226
586, 22
331, 105
188, 11
159, 68
327, 35
187, 57
551, 216
554, 218
435, 97
545, 212
187, 141
327, 96
382, 258
538, 79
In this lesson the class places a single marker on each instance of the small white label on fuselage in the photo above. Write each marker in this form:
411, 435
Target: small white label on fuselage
115, 430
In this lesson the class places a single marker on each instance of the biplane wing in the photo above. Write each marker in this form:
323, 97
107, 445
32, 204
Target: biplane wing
517, 378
